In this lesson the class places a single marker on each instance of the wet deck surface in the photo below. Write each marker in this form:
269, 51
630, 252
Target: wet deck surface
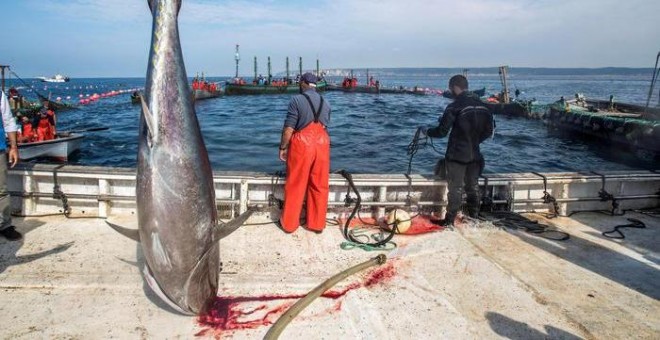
77, 278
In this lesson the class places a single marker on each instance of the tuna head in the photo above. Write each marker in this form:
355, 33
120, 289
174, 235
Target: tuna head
175, 192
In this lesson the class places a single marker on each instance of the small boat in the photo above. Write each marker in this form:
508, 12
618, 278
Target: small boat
59, 148
58, 78
208, 93
480, 92
247, 89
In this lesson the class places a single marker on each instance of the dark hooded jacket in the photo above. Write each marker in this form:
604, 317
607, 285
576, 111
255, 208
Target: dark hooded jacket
471, 122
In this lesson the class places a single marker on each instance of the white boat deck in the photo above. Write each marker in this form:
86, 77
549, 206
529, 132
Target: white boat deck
78, 279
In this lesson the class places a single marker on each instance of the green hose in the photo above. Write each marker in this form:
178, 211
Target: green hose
284, 320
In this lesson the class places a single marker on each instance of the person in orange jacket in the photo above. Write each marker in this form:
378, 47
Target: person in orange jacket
305, 147
26, 133
45, 122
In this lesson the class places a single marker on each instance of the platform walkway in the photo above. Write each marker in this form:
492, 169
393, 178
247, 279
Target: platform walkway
78, 279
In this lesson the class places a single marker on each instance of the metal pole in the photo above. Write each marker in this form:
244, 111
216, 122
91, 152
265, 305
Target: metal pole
287, 70
269, 76
3, 67
648, 100
505, 85
318, 73
255, 68
237, 57
300, 65
368, 82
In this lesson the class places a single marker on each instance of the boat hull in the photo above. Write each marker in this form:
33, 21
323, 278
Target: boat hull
202, 94
58, 149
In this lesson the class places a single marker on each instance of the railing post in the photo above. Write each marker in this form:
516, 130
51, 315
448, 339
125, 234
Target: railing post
104, 205
563, 207
512, 197
382, 197
444, 198
29, 204
243, 205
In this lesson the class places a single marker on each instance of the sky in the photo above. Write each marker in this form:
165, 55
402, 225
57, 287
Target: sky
111, 38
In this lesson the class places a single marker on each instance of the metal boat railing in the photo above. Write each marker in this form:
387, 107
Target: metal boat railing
104, 191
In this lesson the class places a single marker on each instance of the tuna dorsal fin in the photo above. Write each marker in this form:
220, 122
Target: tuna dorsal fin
148, 119
224, 229
133, 234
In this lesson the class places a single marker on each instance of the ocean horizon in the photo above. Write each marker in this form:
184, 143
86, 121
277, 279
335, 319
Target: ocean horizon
424, 71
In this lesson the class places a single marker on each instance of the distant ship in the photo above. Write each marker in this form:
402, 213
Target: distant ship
58, 78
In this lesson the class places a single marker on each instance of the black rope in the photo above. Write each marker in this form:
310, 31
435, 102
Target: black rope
547, 198
635, 224
606, 196
272, 199
382, 241
59, 194
418, 142
28, 85
512, 220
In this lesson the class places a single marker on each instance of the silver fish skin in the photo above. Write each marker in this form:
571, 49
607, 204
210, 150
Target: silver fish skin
175, 193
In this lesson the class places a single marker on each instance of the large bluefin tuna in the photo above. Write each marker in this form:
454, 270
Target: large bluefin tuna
175, 193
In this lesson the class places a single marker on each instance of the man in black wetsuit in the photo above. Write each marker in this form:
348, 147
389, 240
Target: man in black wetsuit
470, 122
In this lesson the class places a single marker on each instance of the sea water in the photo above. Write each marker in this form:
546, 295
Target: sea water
369, 132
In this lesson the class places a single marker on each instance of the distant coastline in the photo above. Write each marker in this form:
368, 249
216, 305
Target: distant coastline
444, 71
541, 71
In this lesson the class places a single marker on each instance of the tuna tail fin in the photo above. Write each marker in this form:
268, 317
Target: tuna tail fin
133, 234
224, 229
152, 5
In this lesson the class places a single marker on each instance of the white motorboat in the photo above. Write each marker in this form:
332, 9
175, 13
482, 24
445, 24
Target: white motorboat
59, 148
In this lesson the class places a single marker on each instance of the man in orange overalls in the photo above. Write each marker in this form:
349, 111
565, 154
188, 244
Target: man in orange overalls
45, 122
305, 147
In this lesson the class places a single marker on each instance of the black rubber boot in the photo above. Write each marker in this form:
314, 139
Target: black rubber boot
11, 234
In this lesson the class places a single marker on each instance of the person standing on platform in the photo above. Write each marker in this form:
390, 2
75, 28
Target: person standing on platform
471, 123
305, 147
7, 153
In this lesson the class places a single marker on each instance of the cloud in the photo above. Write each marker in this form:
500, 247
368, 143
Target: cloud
389, 33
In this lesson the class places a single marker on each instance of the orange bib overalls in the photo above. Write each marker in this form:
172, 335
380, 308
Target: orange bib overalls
308, 172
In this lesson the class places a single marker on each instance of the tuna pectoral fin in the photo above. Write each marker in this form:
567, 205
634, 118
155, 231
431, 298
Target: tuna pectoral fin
133, 234
224, 229
148, 119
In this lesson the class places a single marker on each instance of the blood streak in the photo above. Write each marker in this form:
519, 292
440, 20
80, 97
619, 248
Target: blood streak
419, 224
229, 313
